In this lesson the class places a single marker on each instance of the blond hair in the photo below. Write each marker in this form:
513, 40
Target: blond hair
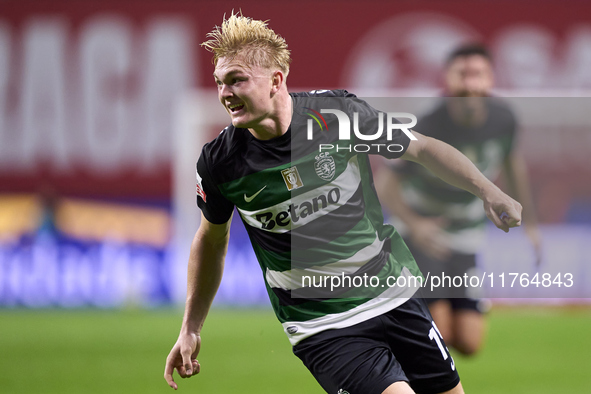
250, 38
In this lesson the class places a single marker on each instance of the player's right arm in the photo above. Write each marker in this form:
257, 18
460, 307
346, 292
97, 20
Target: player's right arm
204, 274
426, 233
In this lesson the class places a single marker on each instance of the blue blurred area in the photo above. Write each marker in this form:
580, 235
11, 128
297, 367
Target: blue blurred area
50, 268
579, 212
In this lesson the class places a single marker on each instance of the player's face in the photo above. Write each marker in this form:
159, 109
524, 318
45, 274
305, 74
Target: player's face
469, 76
245, 91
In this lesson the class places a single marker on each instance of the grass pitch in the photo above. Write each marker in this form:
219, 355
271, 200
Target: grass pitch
91, 351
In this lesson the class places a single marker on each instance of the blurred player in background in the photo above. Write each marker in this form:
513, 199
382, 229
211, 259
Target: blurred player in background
384, 344
444, 226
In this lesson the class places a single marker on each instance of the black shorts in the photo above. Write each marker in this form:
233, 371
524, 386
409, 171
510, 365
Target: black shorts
456, 265
400, 345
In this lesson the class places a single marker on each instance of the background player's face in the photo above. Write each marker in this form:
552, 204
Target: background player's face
245, 91
469, 76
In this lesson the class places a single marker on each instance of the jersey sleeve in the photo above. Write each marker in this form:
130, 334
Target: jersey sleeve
215, 207
369, 123
428, 126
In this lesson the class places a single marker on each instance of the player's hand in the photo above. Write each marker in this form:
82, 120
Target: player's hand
502, 210
428, 235
183, 358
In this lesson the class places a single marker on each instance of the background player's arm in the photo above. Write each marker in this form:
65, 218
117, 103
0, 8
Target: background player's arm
426, 233
206, 265
515, 172
456, 169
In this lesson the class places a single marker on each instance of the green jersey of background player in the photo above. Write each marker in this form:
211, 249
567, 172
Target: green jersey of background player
251, 67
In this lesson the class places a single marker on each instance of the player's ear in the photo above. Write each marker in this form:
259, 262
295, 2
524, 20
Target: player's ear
277, 79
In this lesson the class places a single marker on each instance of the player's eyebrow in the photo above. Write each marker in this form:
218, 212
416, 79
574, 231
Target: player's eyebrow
229, 73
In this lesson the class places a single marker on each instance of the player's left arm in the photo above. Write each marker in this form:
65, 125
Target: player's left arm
453, 167
517, 179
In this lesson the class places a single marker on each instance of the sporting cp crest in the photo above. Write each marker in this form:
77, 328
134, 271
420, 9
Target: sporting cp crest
325, 166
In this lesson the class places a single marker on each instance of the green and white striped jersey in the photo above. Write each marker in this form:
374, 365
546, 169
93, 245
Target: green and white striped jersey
311, 215
487, 146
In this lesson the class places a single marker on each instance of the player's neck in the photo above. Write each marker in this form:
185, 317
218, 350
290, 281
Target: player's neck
277, 123
470, 112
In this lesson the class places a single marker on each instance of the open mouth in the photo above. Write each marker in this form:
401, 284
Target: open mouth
234, 108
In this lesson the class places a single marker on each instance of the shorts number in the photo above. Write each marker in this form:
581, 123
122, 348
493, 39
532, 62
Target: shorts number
434, 334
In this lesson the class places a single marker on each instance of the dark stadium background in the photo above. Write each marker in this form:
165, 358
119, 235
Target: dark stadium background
91, 259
